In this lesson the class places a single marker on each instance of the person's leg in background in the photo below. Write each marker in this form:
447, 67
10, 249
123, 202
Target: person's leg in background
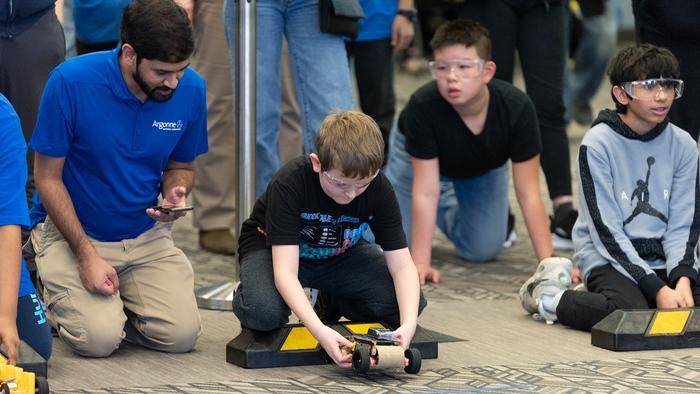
374, 73
270, 24
541, 44
320, 66
214, 193
598, 42
26, 59
291, 134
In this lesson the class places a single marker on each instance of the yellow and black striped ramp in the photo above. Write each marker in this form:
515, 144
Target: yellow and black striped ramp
294, 345
648, 329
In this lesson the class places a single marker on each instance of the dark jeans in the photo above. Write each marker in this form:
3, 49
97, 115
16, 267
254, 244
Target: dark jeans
358, 281
536, 30
25, 63
32, 325
608, 290
374, 72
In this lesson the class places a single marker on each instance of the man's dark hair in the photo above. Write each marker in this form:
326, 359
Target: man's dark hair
463, 32
157, 30
637, 63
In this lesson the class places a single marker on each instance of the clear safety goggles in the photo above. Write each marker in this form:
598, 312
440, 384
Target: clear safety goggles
649, 89
463, 68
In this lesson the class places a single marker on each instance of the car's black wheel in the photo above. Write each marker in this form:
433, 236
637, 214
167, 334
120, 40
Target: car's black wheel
42, 385
414, 361
361, 359
4, 389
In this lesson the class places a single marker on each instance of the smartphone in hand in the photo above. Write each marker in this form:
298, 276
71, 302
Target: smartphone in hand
172, 209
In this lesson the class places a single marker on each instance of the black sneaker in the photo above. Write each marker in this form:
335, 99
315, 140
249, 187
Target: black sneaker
511, 235
326, 308
562, 224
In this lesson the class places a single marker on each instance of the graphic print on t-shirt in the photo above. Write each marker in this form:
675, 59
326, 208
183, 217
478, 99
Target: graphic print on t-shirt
324, 235
641, 192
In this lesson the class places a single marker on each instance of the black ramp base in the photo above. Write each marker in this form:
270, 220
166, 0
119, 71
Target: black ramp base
648, 329
294, 345
28, 359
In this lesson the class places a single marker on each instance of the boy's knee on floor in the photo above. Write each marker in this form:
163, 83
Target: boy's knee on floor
263, 316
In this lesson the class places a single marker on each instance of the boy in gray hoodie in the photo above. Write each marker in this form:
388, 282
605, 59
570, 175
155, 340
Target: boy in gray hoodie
637, 231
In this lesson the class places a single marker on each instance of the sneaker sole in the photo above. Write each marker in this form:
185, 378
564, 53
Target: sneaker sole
561, 243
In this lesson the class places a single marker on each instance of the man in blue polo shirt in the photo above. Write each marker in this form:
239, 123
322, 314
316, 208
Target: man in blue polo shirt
116, 130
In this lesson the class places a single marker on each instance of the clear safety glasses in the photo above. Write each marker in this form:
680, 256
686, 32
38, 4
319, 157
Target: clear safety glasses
649, 89
463, 68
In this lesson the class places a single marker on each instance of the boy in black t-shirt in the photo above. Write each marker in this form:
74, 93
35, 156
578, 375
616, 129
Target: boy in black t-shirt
306, 231
449, 159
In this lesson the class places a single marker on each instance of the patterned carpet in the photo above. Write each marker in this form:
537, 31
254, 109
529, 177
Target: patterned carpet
654, 375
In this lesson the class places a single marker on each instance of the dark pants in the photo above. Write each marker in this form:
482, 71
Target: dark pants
537, 32
357, 281
25, 63
32, 325
374, 72
608, 290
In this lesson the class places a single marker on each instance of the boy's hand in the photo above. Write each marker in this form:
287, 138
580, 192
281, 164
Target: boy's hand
404, 335
575, 275
426, 273
9, 338
334, 343
668, 298
684, 291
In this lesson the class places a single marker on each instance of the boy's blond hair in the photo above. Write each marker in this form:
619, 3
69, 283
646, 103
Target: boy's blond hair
350, 142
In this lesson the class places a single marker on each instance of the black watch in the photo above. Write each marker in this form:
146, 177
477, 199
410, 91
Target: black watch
411, 14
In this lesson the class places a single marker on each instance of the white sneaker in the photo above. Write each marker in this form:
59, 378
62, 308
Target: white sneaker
552, 275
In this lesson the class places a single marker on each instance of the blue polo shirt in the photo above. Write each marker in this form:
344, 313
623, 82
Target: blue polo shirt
13, 176
116, 147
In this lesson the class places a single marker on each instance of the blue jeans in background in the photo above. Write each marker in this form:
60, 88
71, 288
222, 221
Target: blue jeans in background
473, 213
358, 281
597, 45
320, 68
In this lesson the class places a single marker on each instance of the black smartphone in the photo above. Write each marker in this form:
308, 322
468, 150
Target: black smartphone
173, 209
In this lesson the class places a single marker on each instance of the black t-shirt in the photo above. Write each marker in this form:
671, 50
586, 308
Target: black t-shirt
434, 129
294, 210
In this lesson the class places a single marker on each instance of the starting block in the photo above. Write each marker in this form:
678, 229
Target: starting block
293, 345
648, 329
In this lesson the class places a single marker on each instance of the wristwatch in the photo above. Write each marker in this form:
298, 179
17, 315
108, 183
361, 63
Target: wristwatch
411, 14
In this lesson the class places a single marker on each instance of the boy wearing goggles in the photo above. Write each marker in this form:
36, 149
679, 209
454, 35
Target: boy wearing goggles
449, 157
636, 234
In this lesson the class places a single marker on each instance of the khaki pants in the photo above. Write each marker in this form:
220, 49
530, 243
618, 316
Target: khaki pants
154, 306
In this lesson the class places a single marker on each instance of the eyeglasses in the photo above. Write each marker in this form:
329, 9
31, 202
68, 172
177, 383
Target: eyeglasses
345, 186
464, 68
649, 89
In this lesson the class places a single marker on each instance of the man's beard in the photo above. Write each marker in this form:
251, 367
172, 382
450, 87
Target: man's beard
160, 94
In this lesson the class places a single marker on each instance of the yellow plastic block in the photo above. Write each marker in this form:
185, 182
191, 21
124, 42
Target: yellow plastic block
362, 328
299, 338
669, 322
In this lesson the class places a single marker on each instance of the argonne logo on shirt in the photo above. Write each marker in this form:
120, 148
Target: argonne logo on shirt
167, 126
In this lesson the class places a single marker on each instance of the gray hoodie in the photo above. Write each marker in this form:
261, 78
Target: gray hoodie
639, 202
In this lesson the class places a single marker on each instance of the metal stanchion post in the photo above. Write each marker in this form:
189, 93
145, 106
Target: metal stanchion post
220, 296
